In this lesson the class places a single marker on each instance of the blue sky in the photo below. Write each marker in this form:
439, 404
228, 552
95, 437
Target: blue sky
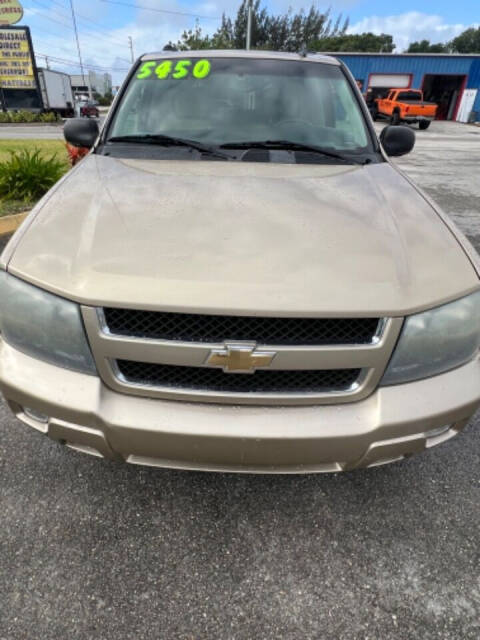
104, 26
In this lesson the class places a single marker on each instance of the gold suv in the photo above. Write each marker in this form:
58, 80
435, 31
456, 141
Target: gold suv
236, 278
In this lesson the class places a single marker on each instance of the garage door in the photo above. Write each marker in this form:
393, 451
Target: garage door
393, 80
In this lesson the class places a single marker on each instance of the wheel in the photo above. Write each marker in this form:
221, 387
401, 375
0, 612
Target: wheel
424, 124
395, 119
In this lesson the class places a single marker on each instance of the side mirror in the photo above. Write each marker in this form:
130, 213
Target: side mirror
81, 132
397, 140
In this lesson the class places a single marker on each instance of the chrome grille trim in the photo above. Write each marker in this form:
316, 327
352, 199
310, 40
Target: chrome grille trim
215, 379
370, 358
213, 328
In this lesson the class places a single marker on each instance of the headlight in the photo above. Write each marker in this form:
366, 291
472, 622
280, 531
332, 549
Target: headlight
436, 341
43, 325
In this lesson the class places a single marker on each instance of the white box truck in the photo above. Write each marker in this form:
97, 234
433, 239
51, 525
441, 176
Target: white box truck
57, 94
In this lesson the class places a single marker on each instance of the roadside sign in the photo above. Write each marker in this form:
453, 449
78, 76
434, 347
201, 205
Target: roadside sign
16, 59
11, 12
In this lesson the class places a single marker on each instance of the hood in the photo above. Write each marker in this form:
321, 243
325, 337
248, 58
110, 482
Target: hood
247, 238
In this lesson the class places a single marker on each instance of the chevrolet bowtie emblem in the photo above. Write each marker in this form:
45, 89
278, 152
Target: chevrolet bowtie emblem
239, 358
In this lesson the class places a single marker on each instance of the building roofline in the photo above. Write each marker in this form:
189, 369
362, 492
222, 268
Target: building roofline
258, 54
400, 55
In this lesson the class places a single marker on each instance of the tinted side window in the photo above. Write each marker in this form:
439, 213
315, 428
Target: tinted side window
409, 95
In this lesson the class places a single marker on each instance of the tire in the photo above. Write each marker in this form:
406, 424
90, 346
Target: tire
424, 124
395, 119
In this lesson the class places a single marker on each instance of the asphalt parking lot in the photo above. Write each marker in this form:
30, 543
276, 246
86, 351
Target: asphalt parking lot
27, 132
92, 549
35, 131
445, 163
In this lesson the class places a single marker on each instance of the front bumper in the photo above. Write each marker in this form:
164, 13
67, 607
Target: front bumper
390, 424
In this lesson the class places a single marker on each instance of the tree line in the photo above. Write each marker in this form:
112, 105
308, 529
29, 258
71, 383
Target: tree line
312, 30
467, 42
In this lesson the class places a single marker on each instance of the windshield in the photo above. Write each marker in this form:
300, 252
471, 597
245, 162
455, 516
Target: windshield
217, 101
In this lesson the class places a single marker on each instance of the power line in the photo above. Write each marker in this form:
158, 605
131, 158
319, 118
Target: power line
78, 43
46, 45
82, 18
93, 34
72, 63
58, 47
63, 24
79, 15
177, 13
67, 26
49, 33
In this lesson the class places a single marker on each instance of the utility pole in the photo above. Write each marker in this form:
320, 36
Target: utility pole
47, 62
130, 44
249, 24
74, 20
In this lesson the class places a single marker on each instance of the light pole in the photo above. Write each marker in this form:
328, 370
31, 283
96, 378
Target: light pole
74, 20
130, 44
249, 24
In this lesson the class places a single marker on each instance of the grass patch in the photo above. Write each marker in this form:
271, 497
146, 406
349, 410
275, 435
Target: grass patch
47, 147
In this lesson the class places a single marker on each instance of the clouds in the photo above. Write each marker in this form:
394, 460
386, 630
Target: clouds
105, 28
104, 46
409, 27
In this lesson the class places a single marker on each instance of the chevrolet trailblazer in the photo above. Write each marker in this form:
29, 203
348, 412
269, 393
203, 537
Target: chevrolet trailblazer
237, 278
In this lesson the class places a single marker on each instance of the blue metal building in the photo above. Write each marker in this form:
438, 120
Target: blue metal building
450, 80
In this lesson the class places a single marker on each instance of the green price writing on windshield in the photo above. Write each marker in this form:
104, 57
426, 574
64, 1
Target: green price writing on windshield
181, 69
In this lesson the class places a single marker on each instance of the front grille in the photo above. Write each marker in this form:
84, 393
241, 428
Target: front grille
262, 381
188, 327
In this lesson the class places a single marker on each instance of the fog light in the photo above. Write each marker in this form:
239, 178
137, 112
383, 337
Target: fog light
35, 415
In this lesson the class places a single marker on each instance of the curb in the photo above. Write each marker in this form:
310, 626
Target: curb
9, 224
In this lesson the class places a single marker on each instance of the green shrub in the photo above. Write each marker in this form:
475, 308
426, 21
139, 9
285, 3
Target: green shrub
17, 116
27, 116
22, 116
48, 117
27, 175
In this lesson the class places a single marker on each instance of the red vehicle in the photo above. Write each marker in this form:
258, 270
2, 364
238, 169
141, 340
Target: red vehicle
89, 110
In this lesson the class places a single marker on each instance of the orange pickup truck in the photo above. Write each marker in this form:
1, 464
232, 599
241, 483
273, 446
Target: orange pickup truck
405, 105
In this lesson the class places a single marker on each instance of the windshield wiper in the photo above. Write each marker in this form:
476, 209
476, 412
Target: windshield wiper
288, 145
170, 141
